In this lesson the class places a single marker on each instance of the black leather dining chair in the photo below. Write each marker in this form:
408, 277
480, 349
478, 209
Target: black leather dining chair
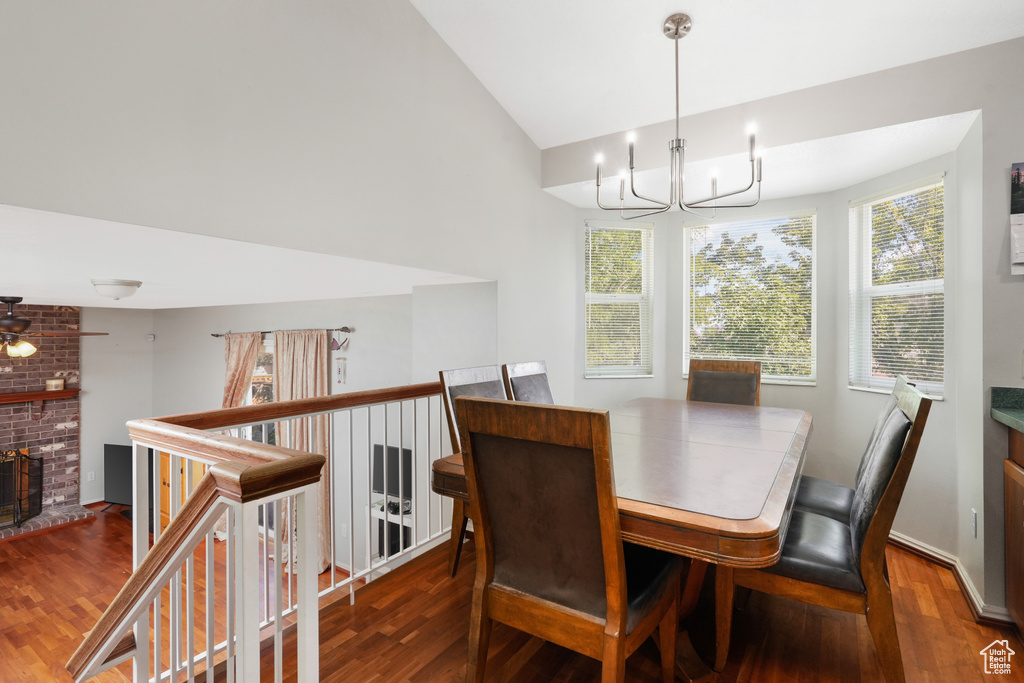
527, 381
841, 565
724, 381
550, 556
834, 500
485, 381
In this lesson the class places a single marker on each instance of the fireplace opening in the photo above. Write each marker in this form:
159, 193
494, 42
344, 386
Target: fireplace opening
21, 487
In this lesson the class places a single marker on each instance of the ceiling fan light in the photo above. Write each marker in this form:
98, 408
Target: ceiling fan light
116, 289
24, 348
13, 351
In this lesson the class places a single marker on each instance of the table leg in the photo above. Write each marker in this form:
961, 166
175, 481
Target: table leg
692, 583
689, 666
724, 591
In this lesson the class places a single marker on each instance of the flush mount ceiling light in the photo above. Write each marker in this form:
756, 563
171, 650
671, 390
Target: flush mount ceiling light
116, 289
676, 27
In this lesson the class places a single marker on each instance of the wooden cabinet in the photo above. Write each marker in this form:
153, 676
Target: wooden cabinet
1014, 502
198, 470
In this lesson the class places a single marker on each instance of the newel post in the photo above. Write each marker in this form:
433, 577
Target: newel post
247, 592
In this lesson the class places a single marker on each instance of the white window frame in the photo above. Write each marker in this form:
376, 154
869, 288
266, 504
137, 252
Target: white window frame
811, 380
645, 301
862, 292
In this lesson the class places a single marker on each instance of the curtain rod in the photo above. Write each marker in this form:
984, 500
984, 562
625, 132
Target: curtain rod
346, 330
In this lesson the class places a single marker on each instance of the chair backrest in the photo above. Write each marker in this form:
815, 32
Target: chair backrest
887, 408
878, 494
527, 381
484, 381
547, 516
724, 381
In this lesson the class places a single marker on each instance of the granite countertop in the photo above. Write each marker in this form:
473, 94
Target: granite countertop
1008, 407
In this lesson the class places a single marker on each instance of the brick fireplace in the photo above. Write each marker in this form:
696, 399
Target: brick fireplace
48, 428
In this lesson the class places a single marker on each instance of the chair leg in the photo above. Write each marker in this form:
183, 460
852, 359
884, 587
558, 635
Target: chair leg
459, 521
479, 636
613, 663
667, 640
724, 591
882, 624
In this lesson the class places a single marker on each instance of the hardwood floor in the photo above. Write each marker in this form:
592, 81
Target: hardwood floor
411, 625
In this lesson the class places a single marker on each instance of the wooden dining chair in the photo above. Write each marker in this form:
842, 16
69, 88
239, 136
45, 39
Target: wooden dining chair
836, 500
841, 565
550, 556
724, 381
485, 381
527, 381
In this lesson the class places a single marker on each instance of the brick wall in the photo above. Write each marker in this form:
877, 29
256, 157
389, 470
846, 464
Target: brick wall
53, 434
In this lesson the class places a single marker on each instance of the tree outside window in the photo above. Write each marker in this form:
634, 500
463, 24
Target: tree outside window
618, 301
751, 294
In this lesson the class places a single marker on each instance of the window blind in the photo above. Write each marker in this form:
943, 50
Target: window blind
619, 278
751, 294
897, 283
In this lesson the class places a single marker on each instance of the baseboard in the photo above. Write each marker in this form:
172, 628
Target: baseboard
986, 615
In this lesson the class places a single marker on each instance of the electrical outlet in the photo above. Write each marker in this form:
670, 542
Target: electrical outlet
90, 476
974, 522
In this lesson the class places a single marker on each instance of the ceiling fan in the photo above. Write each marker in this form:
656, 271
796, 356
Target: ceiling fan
12, 328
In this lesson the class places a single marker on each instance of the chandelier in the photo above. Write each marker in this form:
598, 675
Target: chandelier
675, 27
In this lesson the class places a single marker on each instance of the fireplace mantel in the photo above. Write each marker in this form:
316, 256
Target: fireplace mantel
33, 396
36, 398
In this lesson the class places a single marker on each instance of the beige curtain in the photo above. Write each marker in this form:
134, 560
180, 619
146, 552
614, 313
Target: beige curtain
300, 371
240, 353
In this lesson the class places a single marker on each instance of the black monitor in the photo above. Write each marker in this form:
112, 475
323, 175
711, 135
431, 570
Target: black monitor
394, 471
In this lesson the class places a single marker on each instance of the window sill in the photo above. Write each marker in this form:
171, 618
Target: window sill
879, 390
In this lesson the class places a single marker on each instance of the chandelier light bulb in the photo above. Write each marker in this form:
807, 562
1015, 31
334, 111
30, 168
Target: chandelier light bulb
25, 349
631, 136
751, 128
599, 159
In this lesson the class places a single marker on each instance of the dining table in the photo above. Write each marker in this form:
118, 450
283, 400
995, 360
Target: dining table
714, 482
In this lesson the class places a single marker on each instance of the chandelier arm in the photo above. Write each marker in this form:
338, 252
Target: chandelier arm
744, 205
624, 217
632, 189
715, 196
686, 209
663, 206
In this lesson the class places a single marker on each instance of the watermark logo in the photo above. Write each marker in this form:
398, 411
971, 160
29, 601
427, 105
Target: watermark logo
997, 657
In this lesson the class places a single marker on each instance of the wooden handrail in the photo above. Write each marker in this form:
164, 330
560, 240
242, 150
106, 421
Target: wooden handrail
222, 482
269, 412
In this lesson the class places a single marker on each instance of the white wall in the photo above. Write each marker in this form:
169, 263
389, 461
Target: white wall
454, 326
117, 385
346, 127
